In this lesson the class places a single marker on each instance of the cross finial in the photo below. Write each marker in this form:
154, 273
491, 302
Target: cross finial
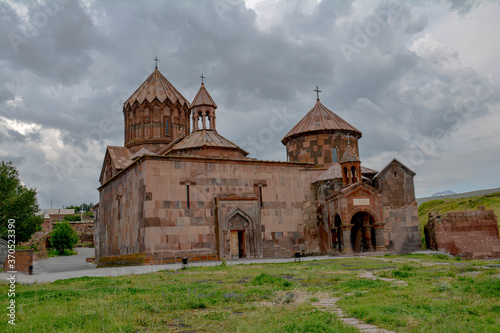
317, 92
156, 64
348, 138
202, 77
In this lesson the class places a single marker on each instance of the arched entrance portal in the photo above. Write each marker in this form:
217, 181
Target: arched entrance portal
337, 236
238, 225
362, 232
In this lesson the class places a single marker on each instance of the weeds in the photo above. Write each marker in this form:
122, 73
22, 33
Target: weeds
245, 297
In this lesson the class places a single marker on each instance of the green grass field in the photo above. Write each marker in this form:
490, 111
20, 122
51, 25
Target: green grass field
489, 201
441, 296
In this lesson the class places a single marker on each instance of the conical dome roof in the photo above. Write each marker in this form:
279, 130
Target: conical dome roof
156, 86
203, 98
319, 119
349, 155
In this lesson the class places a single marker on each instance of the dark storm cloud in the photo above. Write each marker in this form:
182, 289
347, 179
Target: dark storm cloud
75, 70
53, 39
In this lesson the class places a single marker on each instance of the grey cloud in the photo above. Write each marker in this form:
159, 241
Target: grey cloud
88, 59
54, 42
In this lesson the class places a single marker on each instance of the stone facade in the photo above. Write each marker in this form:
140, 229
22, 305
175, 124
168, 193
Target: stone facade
179, 207
467, 234
399, 207
198, 195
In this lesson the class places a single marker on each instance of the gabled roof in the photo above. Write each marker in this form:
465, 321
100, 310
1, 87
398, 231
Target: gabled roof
319, 119
350, 189
335, 172
156, 86
349, 155
120, 159
203, 98
394, 161
206, 138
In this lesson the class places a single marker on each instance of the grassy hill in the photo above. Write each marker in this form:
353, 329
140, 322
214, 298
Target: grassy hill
489, 201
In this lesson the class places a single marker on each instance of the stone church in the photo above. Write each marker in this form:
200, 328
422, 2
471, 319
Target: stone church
177, 188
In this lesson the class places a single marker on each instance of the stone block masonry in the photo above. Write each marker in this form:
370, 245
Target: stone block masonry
467, 234
24, 262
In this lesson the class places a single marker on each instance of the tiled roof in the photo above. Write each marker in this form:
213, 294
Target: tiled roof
206, 138
168, 147
120, 157
349, 155
156, 86
335, 172
320, 118
203, 98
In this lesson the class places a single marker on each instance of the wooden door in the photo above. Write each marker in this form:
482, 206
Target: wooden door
234, 244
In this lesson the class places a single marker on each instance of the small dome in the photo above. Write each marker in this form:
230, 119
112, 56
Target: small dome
319, 119
203, 98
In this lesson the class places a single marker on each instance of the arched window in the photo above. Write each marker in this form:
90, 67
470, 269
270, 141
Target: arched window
353, 172
334, 155
346, 175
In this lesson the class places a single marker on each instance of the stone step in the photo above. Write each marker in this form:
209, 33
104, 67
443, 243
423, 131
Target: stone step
329, 304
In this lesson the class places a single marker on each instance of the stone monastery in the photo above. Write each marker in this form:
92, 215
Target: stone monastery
179, 189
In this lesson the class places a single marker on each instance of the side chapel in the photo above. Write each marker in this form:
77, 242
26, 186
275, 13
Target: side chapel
177, 188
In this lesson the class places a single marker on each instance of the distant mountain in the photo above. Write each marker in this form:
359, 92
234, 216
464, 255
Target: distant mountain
441, 194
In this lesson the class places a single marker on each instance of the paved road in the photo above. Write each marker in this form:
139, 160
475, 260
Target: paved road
58, 268
65, 264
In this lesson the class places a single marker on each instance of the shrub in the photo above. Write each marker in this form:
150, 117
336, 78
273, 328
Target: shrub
63, 237
71, 218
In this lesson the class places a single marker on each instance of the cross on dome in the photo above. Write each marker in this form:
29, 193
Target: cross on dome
317, 92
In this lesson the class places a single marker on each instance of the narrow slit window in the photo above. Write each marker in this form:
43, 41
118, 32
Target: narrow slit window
334, 155
260, 196
167, 129
118, 209
187, 195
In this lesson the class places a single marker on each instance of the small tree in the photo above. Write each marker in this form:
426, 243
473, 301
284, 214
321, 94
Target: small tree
19, 203
63, 237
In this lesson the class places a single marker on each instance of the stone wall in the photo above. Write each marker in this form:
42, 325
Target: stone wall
23, 264
468, 234
399, 208
121, 215
85, 230
317, 148
159, 223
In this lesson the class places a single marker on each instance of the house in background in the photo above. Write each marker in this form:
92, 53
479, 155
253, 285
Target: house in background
53, 215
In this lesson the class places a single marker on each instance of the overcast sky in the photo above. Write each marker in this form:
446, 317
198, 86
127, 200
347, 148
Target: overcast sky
421, 80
